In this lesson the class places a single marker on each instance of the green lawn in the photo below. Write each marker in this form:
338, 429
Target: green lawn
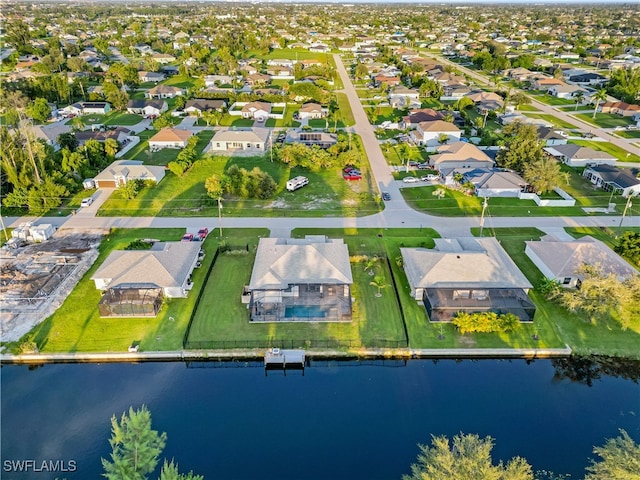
77, 327
557, 122
180, 81
526, 108
621, 154
378, 115
221, 317
122, 118
327, 194
165, 155
235, 121
628, 133
584, 337
550, 99
605, 120
344, 113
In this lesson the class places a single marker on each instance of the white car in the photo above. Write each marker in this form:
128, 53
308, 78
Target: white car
86, 202
410, 180
430, 178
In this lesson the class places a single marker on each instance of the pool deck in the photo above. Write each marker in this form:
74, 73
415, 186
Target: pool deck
244, 354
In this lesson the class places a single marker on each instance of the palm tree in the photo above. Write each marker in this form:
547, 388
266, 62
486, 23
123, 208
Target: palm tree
379, 283
368, 267
600, 95
579, 95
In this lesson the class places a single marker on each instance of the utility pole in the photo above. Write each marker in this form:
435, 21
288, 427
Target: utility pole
220, 216
484, 207
626, 207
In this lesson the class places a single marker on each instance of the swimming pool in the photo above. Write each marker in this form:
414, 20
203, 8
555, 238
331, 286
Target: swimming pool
304, 311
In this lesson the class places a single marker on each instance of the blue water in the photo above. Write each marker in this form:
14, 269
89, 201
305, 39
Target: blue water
304, 311
337, 421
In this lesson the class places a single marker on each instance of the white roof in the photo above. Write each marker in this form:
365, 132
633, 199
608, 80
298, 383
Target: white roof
564, 259
251, 135
132, 169
167, 264
462, 263
281, 262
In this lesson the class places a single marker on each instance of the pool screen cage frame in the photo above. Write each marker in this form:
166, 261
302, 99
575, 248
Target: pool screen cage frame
131, 301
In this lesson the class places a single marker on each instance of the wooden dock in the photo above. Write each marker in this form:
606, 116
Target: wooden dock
276, 358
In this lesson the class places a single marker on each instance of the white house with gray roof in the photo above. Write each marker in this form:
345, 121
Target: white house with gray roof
122, 171
251, 140
306, 279
467, 274
579, 156
562, 261
168, 265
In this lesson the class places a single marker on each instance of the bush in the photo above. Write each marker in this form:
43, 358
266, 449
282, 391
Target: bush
485, 322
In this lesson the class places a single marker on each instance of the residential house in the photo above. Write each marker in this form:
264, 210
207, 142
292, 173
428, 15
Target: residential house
431, 133
151, 76
257, 80
486, 101
384, 79
490, 182
217, 80
321, 139
613, 179
459, 155
620, 108
200, 105
418, 116
49, 133
544, 83
551, 137
519, 74
164, 91
578, 156
565, 91
312, 110
305, 279
455, 91
280, 71
163, 58
253, 140
135, 281
122, 171
587, 78
563, 261
259, 111
148, 108
170, 138
120, 134
467, 275
87, 108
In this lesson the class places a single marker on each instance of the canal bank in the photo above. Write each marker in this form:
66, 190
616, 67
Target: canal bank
259, 354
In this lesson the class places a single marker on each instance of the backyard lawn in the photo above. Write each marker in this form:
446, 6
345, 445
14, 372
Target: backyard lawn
604, 337
550, 99
221, 318
122, 118
164, 156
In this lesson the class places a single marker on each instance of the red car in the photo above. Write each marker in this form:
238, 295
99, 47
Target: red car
187, 237
202, 233
351, 173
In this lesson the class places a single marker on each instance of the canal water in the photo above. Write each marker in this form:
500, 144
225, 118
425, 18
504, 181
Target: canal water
338, 420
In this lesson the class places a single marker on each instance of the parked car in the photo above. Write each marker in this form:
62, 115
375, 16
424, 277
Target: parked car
86, 202
423, 166
430, 178
351, 173
202, 233
187, 237
386, 196
410, 179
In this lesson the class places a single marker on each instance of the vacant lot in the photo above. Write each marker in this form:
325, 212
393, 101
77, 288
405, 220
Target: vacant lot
605, 120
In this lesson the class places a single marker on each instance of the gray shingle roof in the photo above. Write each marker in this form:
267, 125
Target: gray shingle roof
314, 259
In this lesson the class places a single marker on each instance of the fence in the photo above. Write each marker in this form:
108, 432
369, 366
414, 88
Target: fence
220, 249
291, 344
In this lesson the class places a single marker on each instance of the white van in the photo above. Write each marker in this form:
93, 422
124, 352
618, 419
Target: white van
296, 183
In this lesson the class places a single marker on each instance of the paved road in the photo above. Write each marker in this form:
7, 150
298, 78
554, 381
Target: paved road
397, 214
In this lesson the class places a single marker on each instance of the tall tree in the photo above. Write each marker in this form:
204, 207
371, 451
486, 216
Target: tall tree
521, 146
468, 458
620, 460
170, 472
39, 110
599, 96
136, 448
543, 174
577, 97
18, 36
